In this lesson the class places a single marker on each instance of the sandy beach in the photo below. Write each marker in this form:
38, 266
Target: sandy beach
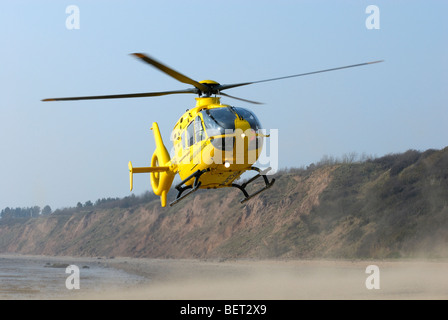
132, 278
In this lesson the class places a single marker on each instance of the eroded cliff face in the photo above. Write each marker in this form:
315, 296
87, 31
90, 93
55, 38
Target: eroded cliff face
211, 223
394, 206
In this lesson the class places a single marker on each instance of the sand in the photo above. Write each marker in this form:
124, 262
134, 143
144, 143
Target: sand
256, 280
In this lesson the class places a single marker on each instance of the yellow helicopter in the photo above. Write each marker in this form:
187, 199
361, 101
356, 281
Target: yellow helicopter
214, 143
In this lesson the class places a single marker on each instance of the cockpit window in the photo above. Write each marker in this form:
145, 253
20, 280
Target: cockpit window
254, 142
249, 117
190, 135
217, 120
199, 130
221, 121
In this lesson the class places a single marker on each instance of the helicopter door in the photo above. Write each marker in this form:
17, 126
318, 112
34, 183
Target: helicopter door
187, 143
199, 134
190, 135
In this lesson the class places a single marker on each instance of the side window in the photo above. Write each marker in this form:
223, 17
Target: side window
199, 129
185, 139
190, 134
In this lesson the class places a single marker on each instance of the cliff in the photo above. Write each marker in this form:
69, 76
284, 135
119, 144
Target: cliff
393, 206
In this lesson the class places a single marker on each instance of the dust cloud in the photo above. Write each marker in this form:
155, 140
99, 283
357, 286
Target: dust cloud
279, 280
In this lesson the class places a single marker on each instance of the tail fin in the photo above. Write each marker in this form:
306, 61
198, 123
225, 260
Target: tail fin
161, 151
161, 175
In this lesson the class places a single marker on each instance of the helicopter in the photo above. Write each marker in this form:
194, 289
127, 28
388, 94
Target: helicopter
214, 143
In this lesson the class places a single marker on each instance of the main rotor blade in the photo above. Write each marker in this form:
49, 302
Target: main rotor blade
245, 100
176, 75
130, 95
228, 86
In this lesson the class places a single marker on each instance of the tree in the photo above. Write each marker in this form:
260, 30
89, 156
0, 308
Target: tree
46, 210
6, 213
34, 211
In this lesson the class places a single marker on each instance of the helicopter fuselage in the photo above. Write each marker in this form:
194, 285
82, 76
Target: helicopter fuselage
219, 140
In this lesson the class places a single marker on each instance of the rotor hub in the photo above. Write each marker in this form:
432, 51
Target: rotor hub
213, 88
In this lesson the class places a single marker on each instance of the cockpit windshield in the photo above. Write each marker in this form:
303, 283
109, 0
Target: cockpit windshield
221, 121
218, 120
249, 117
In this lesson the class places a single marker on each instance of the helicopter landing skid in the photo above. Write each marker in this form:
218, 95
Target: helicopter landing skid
244, 185
194, 187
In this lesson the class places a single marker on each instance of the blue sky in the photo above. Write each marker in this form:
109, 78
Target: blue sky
60, 153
